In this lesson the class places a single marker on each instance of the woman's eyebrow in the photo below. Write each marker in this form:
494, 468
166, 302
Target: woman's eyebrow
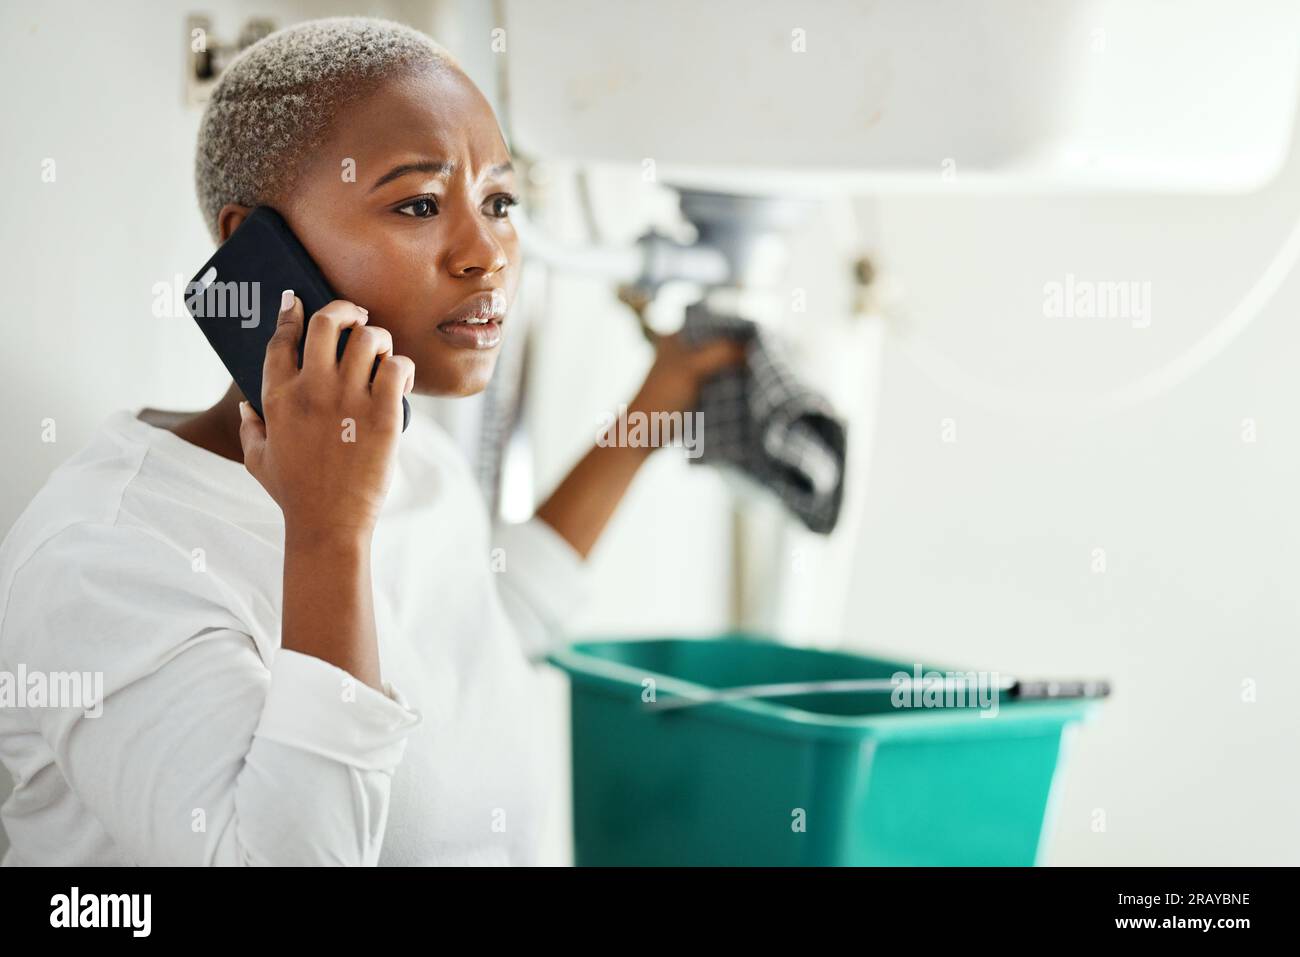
433, 167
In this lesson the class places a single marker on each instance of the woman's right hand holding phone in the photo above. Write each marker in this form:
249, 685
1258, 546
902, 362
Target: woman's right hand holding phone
326, 453
326, 449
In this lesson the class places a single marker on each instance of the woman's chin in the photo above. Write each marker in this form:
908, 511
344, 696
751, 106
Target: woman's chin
456, 380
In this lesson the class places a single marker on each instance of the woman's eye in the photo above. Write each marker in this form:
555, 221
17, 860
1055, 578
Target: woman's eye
501, 204
421, 208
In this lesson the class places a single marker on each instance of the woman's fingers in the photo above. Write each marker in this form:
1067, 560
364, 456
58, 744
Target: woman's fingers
365, 345
321, 348
369, 349
252, 433
282, 349
715, 356
394, 379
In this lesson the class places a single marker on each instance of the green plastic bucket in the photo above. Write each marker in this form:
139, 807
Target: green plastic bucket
825, 779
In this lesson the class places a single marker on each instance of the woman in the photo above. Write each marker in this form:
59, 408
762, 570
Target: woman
254, 593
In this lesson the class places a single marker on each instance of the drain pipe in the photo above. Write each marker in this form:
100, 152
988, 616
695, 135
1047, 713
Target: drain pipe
650, 262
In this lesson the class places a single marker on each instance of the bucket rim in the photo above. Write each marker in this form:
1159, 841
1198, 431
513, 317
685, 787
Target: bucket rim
610, 677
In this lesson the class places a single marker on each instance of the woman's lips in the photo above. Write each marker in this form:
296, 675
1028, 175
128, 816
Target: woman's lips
476, 323
484, 335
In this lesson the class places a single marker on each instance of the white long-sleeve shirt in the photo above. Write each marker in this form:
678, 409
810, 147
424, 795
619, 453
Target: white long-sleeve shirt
158, 566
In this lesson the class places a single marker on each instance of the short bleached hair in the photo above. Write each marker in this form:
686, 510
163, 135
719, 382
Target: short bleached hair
277, 99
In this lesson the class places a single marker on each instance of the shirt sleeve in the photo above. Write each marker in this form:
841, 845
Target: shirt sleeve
544, 583
194, 751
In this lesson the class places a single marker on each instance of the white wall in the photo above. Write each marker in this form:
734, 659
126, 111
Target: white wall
980, 552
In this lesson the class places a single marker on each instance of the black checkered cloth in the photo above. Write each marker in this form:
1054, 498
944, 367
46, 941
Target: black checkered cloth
758, 418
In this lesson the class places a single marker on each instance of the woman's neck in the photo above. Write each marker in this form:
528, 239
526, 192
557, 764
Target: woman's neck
216, 428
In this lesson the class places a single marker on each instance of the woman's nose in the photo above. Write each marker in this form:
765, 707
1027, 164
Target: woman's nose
476, 251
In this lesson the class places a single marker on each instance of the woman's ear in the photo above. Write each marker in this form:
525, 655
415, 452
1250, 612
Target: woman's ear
229, 218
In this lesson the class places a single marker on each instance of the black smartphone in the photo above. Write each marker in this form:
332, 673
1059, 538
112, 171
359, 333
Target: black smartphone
235, 297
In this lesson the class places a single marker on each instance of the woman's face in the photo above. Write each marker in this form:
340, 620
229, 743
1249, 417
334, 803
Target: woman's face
405, 208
